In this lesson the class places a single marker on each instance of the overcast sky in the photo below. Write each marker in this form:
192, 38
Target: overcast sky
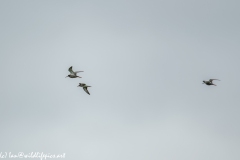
145, 61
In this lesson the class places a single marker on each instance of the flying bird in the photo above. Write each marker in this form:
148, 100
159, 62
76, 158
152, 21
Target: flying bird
210, 82
72, 73
84, 86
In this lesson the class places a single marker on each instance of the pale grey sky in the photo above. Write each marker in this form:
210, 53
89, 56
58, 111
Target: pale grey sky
145, 61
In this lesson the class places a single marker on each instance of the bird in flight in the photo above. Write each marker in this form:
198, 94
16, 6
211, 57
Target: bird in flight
84, 86
210, 82
72, 73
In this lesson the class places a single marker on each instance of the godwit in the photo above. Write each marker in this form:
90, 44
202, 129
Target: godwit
84, 86
210, 82
72, 73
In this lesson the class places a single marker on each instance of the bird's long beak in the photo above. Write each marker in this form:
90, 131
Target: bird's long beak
66, 76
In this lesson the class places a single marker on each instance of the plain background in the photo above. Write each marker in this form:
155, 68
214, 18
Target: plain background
145, 61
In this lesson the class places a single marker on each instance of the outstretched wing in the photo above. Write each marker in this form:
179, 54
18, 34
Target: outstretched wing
78, 71
70, 70
210, 80
85, 89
